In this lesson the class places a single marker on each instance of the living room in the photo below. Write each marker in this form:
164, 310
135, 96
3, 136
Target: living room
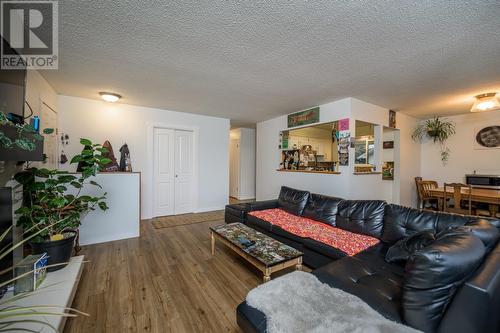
250, 166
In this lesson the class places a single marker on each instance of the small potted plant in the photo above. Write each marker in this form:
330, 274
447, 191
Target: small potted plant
54, 204
438, 130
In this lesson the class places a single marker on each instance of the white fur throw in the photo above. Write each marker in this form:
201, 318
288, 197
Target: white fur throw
299, 302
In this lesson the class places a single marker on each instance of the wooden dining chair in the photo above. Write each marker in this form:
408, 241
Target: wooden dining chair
419, 191
427, 201
462, 202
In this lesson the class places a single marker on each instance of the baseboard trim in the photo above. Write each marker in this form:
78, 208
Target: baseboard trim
246, 198
209, 209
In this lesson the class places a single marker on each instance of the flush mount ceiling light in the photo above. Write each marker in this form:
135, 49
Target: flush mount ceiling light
109, 97
485, 102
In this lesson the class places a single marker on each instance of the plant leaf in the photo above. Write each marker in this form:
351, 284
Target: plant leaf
85, 142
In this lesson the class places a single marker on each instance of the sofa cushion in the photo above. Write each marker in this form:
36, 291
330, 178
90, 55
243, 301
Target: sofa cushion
361, 216
405, 247
433, 275
276, 230
258, 224
324, 249
401, 222
375, 283
292, 200
348, 242
322, 208
483, 230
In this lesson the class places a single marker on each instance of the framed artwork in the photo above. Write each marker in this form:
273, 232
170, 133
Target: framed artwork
388, 144
305, 117
487, 137
392, 119
343, 147
388, 171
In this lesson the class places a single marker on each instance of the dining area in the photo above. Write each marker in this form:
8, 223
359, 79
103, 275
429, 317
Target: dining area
479, 195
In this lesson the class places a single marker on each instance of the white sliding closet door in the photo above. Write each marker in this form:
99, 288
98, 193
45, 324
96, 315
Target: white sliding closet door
173, 172
183, 172
164, 188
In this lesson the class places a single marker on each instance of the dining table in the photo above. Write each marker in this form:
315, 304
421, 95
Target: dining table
482, 195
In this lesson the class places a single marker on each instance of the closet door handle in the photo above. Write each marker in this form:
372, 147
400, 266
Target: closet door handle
176, 176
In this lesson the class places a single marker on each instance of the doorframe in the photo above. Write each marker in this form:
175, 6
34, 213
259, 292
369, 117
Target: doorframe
150, 163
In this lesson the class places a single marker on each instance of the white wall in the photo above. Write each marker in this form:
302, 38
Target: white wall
464, 159
38, 90
123, 123
409, 160
345, 185
122, 219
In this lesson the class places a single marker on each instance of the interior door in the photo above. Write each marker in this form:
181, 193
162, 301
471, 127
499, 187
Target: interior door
163, 172
183, 172
234, 168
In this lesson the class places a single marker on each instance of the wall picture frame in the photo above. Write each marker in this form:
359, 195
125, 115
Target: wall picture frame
388, 144
305, 117
487, 137
392, 119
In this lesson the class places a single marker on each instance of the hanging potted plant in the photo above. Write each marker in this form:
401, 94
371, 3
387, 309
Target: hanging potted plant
438, 130
54, 204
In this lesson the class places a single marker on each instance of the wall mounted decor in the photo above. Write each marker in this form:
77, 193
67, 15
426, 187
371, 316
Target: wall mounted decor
388, 171
305, 117
344, 144
388, 144
392, 119
487, 137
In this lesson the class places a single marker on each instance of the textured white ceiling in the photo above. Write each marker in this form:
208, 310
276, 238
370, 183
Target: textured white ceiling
254, 60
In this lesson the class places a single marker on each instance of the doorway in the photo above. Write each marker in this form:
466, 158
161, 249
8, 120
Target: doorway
234, 168
173, 171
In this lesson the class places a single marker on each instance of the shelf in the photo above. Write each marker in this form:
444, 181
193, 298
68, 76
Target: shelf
58, 289
367, 173
311, 171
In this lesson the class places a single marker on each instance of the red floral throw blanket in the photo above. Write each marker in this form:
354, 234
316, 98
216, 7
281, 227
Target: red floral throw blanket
346, 241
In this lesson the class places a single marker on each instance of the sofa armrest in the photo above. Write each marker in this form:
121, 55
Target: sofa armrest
261, 205
494, 221
476, 305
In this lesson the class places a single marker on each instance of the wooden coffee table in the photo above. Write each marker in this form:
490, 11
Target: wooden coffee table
267, 254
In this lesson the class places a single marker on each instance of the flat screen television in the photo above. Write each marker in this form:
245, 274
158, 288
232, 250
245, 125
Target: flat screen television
12, 100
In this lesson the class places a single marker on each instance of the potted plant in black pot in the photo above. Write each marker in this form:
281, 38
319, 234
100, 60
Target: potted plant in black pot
55, 205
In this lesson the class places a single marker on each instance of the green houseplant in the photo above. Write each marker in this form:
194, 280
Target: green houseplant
54, 204
438, 130
19, 135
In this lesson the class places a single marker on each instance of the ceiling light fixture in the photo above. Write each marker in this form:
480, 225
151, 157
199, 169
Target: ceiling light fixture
109, 97
485, 102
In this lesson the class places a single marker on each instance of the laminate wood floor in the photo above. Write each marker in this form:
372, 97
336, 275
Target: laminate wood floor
164, 281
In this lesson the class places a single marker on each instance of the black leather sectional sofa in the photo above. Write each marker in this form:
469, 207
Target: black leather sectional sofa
452, 285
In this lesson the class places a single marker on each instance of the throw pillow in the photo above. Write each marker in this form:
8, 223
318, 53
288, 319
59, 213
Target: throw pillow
405, 247
433, 275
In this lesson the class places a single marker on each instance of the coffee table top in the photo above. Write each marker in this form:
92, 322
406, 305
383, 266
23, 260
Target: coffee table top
266, 249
